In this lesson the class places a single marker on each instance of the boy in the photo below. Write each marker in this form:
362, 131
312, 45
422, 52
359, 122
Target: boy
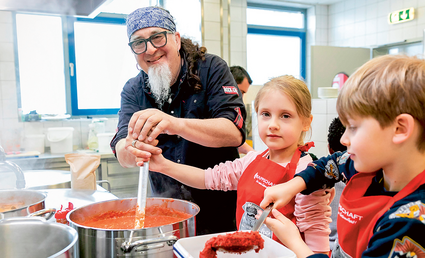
381, 211
335, 132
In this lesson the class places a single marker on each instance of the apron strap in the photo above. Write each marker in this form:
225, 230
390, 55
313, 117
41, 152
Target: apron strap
294, 161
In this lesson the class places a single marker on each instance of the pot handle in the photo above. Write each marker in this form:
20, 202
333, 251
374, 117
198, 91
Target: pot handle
49, 212
127, 246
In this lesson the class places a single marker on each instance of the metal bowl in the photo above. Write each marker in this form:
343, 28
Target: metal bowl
36, 238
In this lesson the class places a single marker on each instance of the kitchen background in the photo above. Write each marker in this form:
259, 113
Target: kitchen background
353, 24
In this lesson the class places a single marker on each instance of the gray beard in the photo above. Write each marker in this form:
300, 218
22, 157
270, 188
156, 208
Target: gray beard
160, 83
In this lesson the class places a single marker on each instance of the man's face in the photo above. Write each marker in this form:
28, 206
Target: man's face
243, 86
167, 54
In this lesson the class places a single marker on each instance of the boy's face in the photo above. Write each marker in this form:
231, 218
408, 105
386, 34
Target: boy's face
368, 144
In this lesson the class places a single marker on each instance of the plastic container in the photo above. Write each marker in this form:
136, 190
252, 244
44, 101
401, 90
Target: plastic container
60, 139
190, 247
104, 140
34, 142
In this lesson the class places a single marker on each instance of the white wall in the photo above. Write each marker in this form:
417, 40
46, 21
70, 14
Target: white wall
364, 23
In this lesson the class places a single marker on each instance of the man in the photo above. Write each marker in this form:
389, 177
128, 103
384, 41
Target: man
185, 104
241, 77
243, 80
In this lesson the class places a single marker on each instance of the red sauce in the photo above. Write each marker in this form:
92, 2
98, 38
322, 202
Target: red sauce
155, 216
238, 242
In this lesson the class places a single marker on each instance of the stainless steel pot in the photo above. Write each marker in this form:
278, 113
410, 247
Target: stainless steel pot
31, 203
146, 242
36, 238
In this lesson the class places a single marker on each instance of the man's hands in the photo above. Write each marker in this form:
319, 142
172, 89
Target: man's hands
147, 124
144, 127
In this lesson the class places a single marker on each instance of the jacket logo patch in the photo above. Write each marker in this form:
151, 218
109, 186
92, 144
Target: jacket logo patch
331, 170
413, 210
406, 248
343, 159
230, 90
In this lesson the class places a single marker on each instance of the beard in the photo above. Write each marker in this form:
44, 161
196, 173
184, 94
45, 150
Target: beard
159, 81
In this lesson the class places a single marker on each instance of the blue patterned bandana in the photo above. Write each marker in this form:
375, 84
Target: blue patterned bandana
151, 16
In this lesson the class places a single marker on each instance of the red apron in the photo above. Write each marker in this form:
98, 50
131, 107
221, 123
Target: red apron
357, 214
259, 175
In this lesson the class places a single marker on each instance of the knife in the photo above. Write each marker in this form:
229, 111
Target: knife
262, 218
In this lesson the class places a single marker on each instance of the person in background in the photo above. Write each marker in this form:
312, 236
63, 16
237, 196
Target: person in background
243, 80
283, 106
381, 210
185, 104
335, 132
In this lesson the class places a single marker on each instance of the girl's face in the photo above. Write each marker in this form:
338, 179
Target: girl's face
279, 124
364, 137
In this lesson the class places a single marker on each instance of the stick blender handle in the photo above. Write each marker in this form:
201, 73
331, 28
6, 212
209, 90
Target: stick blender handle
142, 195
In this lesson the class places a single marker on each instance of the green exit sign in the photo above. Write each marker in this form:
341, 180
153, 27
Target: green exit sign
401, 16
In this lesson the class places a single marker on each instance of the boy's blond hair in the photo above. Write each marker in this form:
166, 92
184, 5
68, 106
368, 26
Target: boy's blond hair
384, 88
296, 89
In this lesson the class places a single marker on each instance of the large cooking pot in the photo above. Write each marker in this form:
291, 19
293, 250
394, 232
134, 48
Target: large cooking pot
145, 242
36, 238
26, 202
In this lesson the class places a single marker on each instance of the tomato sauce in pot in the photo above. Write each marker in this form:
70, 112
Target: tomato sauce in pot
156, 216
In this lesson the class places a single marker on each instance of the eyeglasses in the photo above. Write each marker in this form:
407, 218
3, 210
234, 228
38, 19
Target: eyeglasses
157, 40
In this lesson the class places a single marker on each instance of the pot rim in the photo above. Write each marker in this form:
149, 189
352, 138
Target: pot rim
127, 199
44, 194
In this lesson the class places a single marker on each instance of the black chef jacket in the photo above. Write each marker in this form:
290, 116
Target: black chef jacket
219, 97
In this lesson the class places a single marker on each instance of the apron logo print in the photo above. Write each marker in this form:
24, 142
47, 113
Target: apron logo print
413, 210
230, 90
406, 248
331, 170
348, 216
262, 181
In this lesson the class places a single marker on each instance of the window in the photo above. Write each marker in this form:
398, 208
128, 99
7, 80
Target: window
101, 63
276, 37
79, 65
41, 64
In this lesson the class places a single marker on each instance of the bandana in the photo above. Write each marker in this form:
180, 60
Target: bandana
151, 16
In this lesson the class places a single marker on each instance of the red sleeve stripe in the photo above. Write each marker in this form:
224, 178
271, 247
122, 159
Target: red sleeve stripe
239, 119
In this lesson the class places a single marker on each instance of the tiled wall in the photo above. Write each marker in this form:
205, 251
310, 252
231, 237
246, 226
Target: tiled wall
363, 23
324, 111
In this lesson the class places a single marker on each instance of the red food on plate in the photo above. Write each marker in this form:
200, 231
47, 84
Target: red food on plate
238, 242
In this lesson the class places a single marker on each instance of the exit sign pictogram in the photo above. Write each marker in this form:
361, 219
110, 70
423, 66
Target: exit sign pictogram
401, 16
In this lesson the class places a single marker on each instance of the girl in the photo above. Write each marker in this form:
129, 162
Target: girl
283, 106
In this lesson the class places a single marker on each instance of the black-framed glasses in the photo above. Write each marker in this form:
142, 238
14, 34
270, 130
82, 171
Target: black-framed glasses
157, 40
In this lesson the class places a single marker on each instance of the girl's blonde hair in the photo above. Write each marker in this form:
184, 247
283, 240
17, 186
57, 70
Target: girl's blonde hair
384, 88
296, 89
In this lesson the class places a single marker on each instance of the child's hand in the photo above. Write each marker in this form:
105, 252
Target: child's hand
288, 233
282, 194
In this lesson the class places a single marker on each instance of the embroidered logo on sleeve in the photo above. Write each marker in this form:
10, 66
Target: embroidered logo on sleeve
406, 248
230, 90
239, 119
343, 159
331, 170
413, 210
